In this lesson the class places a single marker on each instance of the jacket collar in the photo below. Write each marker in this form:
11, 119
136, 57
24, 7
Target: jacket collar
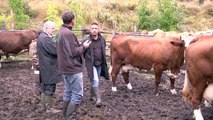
99, 36
47, 34
69, 27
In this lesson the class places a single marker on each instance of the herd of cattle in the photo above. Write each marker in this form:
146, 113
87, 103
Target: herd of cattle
158, 52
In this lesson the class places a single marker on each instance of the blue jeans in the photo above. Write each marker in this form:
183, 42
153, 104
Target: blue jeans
96, 74
73, 87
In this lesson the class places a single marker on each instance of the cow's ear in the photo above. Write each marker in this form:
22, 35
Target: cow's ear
177, 43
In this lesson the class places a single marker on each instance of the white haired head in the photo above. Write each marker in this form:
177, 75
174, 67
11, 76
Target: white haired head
49, 27
49, 24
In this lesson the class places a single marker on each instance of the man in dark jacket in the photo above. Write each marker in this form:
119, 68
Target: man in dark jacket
95, 57
70, 61
48, 66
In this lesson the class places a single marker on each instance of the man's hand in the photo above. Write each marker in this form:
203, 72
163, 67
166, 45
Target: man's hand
86, 43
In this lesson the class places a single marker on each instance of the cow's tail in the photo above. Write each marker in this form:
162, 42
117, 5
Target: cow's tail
110, 56
186, 88
110, 68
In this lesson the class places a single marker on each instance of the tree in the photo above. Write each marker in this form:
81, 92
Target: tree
201, 2
53, 15
4, 19
21, 19
77, 8
163, 14
148, 19
169, 14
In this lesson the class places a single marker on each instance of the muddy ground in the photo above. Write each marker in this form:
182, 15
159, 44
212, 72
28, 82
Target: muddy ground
17, 102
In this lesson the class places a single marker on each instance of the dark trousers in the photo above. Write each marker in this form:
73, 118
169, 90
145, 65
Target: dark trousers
48, 89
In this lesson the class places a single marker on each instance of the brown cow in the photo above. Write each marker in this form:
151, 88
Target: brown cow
144, 53
199, 71
200, 37
16, 41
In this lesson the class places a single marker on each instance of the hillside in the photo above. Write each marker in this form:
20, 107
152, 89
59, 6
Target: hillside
110, 14
198, 18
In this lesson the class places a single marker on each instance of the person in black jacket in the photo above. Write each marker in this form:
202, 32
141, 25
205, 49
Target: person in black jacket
49, 76
95, 58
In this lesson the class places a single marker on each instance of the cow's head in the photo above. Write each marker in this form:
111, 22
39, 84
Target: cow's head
178, 59
38, 32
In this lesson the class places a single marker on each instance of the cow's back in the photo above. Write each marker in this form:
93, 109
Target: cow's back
201, 37
199, 59
144, 52
15, 41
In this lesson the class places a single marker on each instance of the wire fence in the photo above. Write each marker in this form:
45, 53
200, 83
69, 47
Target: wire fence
82, 33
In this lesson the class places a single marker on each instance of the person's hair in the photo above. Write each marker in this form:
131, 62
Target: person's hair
48, 24
94, 23
67, 17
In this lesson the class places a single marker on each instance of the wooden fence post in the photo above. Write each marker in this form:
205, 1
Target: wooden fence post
3, 27
135, 28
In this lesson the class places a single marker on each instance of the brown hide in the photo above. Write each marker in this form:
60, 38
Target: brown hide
200, 37
199, 68
145, 53
15, 41
33, 49
33, 46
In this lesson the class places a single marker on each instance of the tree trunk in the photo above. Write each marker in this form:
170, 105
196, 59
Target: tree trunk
201, 2
12, 23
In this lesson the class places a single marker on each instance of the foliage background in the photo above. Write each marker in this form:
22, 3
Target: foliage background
113, 15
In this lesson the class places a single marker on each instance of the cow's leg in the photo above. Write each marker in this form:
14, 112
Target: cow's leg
197, 95
172, 86
114, 73
125, 75
0, 61
198, 114
158, 74
7, 56
110, 72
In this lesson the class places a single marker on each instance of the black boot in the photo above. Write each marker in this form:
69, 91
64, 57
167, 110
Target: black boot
43, 101
92, 95
64, 107
49, 104
71, 111
97, 95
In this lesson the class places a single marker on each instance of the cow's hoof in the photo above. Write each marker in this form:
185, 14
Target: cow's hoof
129, 86
198, 114
173, 91
207, 104
114, 89
182, 72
